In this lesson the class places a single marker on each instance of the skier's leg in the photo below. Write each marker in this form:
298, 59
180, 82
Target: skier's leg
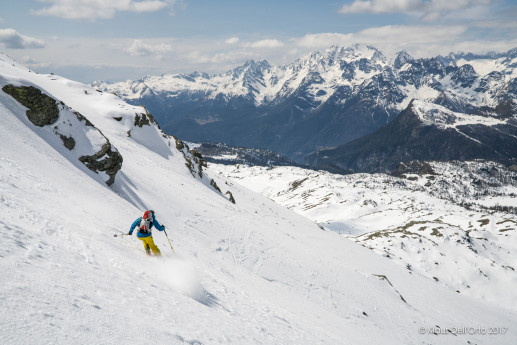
146, 246
154, 248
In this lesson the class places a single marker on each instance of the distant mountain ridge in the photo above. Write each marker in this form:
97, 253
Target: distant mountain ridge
425, 131
324, 99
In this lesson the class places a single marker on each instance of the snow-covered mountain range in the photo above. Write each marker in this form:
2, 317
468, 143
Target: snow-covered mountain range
324, 99
249, 272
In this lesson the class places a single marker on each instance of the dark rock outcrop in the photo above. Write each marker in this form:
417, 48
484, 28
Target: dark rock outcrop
69, 142
229, 155
106, 160
413, 167
42, 109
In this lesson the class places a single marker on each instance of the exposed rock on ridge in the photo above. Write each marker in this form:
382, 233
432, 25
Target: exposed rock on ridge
44, 111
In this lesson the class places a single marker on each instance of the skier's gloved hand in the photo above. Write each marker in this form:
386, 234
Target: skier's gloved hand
129, 233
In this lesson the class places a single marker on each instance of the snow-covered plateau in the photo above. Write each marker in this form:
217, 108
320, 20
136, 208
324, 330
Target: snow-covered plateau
249, 272
454, 223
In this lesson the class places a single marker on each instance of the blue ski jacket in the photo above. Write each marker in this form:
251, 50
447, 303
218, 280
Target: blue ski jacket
139, 234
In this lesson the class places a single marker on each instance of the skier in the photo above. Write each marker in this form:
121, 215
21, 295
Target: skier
144, 225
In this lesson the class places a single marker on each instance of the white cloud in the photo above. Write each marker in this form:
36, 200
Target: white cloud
316, 41
381, 6
139, 48
421, 40
412, 34
232, 40
33, 63
11, 39
93, 9
428, 10
267, 43
218, 58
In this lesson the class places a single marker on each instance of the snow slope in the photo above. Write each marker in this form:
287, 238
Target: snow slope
246, 273
417, 221
443, 118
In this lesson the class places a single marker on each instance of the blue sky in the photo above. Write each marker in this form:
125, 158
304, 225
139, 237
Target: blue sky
88, 40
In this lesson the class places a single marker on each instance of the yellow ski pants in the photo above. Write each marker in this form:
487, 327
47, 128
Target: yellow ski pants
149, 244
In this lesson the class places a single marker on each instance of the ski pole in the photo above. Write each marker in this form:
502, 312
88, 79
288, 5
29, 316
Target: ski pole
120, 235
168, 239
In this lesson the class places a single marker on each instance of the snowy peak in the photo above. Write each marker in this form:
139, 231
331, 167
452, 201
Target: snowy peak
333, 61
142, 89
251, 68
401, 59
464, 76
250, 76
353, 53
